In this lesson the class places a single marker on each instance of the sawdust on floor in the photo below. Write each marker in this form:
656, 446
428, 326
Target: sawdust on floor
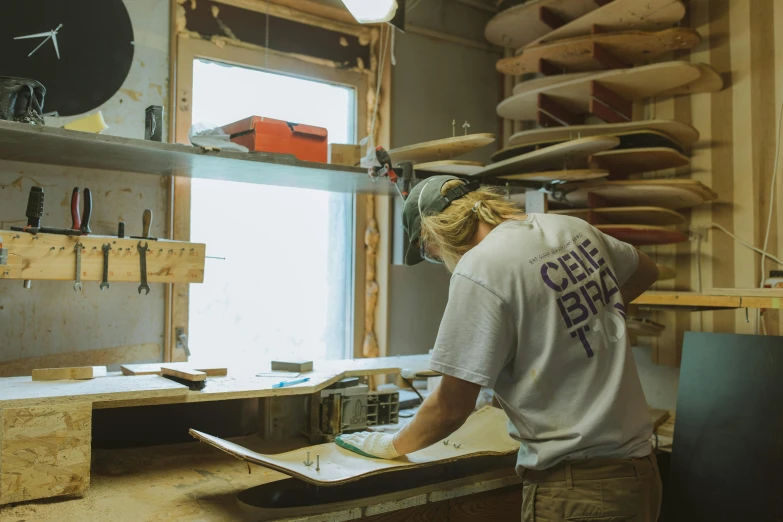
183, 482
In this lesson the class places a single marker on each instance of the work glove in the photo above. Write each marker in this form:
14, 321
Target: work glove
369, 444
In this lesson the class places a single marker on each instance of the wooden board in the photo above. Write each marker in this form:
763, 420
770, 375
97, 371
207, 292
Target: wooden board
575, 54
573, 92
155, 368
45, 451
16, 392
709, 81
560, 175
465, 168
52, 257
556, 156
183, 373
626, 215
636, 161
641, 235
484, 433
628, 140
621, 15
665, 273
104, 356
522, 24
68, 373
684, 134
448, 148
666, 193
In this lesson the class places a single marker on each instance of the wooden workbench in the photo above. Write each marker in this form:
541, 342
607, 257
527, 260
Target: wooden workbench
46, 426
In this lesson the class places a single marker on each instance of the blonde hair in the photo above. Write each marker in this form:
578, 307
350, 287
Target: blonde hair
450, 232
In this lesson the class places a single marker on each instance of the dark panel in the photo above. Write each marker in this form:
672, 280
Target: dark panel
284, 35
727, 457
95, 44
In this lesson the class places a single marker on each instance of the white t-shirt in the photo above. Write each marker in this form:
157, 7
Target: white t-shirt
535, 313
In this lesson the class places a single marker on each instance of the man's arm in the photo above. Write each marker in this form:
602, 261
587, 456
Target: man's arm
441, 414
645, 275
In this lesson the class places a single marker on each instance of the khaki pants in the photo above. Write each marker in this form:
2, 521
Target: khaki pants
595, 490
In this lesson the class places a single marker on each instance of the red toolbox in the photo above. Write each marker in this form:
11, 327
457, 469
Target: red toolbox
306, 142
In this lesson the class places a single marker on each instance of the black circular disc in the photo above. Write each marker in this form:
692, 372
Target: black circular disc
96, 50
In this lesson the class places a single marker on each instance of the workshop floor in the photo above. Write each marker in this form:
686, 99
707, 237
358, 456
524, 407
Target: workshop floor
185, 482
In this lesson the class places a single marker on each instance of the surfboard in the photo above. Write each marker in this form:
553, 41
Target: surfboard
666, 193
626, 215
484, 433
560, 175
466, 168
685, 135
709, 81
574, 94
554, 157
575, 54
636, 161
521, 24
620, 15
643, 235
628, 140
448, 148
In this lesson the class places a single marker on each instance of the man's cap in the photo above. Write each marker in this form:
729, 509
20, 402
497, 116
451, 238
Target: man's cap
426, 199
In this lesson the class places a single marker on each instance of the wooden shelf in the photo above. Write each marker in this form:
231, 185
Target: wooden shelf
36, 144
714, 299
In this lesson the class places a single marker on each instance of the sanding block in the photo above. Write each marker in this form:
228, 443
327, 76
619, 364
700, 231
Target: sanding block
193, 379
292, 366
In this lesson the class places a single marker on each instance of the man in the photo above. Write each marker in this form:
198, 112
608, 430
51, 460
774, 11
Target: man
536, 312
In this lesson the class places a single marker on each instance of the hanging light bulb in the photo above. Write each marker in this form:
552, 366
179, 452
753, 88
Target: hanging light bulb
371, 11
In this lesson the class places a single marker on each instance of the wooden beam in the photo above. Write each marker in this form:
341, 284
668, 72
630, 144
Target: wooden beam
547, 68
606, 58
550, 18
604, 112
53, 257
611, 99
545, 120
558, 112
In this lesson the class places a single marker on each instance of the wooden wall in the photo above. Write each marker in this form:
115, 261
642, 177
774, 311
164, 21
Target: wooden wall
743, 40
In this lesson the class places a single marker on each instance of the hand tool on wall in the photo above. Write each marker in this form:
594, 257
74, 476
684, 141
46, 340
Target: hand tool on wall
403, 170
143, 267
146, 222
3, 253
77, 286
105, 283
81, 222
35, 208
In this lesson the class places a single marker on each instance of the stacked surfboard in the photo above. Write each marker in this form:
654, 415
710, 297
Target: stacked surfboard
581, 67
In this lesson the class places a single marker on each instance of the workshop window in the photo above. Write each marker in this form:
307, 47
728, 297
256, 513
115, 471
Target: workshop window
285, 288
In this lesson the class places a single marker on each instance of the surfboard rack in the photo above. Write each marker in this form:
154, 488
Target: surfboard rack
604, 103
600, 54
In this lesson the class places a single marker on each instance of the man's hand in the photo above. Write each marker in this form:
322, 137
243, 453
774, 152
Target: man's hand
369, 444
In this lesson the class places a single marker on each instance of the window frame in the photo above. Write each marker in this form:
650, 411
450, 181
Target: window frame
184, 50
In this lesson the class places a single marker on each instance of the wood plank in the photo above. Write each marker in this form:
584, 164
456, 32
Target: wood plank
560, 175
436, 150
183, 373
17, 392
666, 193
103, 356
556, 156
685, 135
637, 161
630, 215
155, 368
52, 257
621, 15
484, 433
44, 451
98, 153
68, 373
522, 24
690, 299
574, 90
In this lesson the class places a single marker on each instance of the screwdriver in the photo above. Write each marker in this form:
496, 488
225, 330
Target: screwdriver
146, 223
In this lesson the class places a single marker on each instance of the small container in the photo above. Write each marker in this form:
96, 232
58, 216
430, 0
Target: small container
153, 123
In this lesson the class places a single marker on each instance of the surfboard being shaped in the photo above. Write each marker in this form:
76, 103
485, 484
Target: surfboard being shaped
484, 433
573, 92
685, 135
620, 15
575, 54
521, 24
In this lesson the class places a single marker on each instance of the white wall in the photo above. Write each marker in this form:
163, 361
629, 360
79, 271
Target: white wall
50, 317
